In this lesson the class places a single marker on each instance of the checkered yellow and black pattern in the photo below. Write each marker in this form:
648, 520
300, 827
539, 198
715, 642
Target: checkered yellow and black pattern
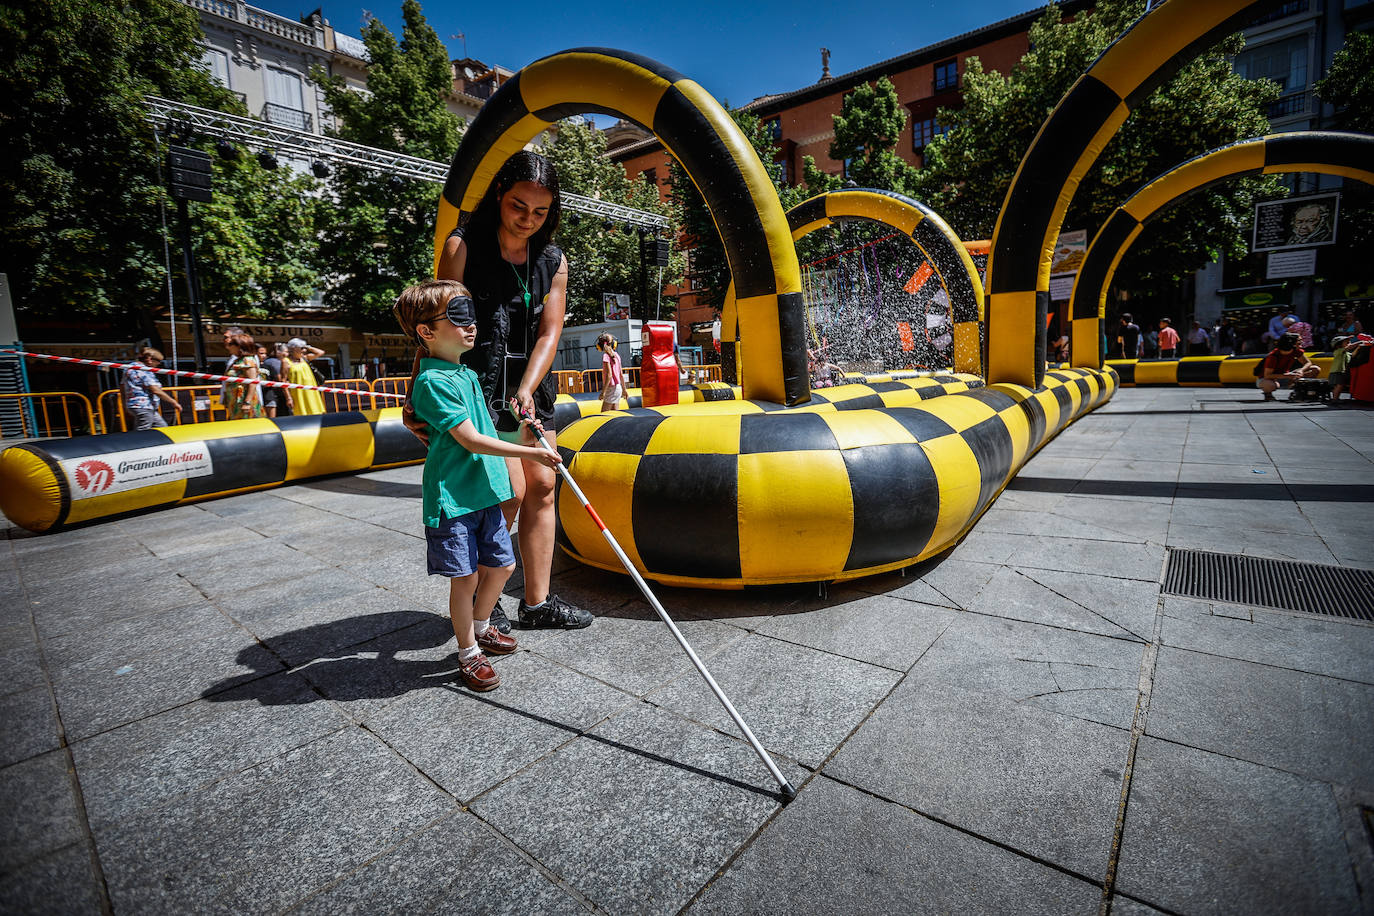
1198, 371
246, 455
712, 150
1328, 152
735, 493
1159, 43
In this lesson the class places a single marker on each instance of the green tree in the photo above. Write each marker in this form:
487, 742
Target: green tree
255, 243
602, 261
377, 237
866, 133
1206, 105
1349, 83
80, 191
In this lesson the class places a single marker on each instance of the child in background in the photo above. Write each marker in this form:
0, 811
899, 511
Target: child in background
613, 386
465, 480
142, 392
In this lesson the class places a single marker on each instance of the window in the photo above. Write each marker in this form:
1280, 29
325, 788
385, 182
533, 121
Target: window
947, 75
651, 176
1284, 62
773, 127
924, 131
284, 89
217, 63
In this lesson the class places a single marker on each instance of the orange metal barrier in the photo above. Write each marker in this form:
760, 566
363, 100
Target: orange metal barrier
392, 384
703, 373
50, 413
199, 404
363, 400
593, 379
569, 381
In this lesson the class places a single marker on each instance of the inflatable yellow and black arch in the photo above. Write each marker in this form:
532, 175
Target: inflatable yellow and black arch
712, 150
950, 259
1145, 56
1327, 152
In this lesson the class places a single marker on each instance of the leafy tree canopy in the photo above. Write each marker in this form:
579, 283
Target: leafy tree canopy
1349, 83
377, 236
602, 261
866, 133
968, 171
80, 190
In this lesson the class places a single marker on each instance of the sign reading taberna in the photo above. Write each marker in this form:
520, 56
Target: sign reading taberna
1298, 222
98, 475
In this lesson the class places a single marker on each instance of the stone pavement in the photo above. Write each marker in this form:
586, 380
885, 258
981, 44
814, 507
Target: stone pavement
245, 706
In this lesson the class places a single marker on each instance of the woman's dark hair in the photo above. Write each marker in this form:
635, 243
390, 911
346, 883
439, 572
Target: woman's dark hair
523, 166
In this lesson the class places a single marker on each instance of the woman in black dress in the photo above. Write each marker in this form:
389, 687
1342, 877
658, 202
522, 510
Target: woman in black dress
519, 281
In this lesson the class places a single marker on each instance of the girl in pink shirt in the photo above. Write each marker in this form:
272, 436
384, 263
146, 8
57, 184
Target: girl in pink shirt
613, 388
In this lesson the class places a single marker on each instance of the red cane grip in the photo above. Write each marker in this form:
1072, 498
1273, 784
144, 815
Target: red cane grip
658, 368
596, 518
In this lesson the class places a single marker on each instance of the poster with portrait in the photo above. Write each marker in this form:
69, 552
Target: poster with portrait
1298, 222
615, 306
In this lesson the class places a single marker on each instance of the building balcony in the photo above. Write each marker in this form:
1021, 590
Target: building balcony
1292, 105
271, 23
282, 116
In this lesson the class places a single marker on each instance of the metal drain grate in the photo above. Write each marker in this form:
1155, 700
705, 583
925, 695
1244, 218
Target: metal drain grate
1312, 588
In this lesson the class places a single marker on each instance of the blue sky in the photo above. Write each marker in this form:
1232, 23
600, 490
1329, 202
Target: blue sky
737, 50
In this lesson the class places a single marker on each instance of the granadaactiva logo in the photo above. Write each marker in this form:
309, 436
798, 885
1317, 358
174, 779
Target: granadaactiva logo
94, 476
161, 461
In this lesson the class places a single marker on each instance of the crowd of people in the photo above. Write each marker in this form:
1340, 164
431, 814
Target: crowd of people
1223, 337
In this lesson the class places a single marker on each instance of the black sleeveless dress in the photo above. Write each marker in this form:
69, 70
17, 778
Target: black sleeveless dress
506, 330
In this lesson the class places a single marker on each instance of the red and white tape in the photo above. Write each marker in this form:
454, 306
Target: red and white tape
366, 393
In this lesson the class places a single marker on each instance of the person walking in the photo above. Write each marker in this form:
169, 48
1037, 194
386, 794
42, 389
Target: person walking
305, 401
1168, 339
519, 281
141, 392
1199, 343
1128, 336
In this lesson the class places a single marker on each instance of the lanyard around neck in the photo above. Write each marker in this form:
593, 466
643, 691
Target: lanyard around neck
525, 280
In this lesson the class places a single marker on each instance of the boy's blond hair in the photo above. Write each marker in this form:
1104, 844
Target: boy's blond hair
425, 302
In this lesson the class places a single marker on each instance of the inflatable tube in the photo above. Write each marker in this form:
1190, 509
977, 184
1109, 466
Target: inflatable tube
712, 150
54, 484
738, 493
1199, 371
1328, 152
1155, 47
953, 266
873, 391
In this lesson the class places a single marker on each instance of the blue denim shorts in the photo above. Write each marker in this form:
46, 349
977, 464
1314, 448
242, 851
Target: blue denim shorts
459, 545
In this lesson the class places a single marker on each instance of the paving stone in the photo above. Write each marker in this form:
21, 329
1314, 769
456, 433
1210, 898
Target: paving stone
1254, 542
1304, 642
218, 573
38, 809
1304, 723
75, 605
671, 801
879, 630
1013, 521
267, 837
1208, 834
326, 629
21, 666
1124, 560
906, 864
28, 724
135, 673
422, 875
58, 883
800, 701
1036, 781
635, 654
469, 742
1125, 906
315, 584
1122, 608
1076, 674
1140, 521
139, 766
946, 581
404, 572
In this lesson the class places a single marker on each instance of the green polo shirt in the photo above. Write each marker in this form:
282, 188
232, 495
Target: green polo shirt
456, 481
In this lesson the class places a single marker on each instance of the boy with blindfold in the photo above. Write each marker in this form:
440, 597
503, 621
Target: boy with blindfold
465, 480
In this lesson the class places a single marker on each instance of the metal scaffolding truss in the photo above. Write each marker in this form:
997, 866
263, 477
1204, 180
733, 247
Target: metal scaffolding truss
307, 147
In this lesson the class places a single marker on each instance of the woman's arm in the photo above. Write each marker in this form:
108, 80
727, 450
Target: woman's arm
546, 344
312, 353
453, 259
